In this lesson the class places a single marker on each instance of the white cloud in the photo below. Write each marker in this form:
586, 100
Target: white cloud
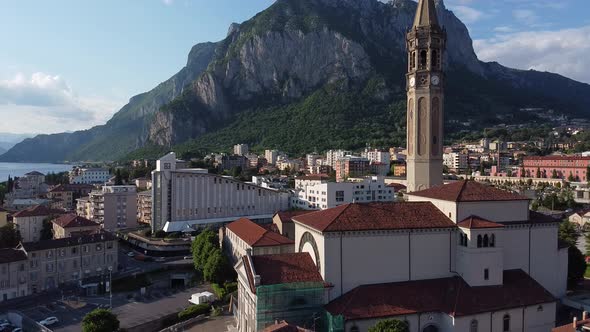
168, 2
467, 14
46, 103
562, 51
525, 16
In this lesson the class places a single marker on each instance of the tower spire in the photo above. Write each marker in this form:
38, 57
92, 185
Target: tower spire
426, 14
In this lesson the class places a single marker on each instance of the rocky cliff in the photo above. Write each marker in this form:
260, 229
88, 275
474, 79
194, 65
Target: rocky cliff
306, 69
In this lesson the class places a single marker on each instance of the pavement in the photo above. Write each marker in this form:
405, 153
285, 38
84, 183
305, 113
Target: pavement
216, 324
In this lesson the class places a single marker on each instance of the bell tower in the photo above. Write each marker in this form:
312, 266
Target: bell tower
425, 43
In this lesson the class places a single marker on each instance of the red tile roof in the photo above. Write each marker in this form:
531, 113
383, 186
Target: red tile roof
287, 216
255, 235
475, 222
556, 158
284, 327
74, 187
318, 177
72, 220
397, 186
377, 216
452, 296
286, 269
581, 325
468, 191
37, 211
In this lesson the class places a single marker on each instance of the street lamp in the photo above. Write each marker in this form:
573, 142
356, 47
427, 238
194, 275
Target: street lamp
111, 287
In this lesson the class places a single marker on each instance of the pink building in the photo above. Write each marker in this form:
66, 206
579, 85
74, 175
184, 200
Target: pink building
560, 167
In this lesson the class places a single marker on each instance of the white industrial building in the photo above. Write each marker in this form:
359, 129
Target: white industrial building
184, 199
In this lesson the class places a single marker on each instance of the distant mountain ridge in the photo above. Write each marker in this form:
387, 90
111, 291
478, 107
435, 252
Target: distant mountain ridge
307, 74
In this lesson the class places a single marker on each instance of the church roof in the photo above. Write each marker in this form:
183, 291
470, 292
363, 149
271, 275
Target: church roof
255, 235
468, 191
452, 296
425, 14
376, 216
475, 222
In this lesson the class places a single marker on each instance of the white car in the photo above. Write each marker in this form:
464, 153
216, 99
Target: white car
131, 254
49, 321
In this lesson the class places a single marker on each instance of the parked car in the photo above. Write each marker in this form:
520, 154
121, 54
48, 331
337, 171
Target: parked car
188, 257
49, 321
131, 254
5, 325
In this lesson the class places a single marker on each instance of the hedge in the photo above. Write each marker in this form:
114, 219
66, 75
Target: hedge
194, 311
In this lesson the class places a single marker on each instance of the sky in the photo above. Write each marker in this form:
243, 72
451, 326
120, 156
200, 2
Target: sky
67, 65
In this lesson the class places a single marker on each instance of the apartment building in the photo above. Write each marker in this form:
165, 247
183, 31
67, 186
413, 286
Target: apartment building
377, 156
82, 260
68, 193
560, 167
271, 156
144, 207
29, 222
227, 163
114, 207
456, 161
241, 149
189, 198
13, 274
332, 156
352, 167
320, 194
71, 225
80, 175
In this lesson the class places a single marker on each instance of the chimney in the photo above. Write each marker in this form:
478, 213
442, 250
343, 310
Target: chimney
584, 315
575, 325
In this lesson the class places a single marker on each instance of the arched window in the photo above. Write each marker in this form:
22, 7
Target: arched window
423, 59
434, 59
413, 61
486, 241
493, 240
473, 327
506, 323
479, 240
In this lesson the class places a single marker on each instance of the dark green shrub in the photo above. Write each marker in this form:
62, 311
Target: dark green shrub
194, 311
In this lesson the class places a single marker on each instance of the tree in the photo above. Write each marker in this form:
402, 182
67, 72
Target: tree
47, 230
118, 177
217, 269
202, 246
576, 266
390, 325
587, 248
571, 178
554, 174
538, 172
100, 320
9, 236
568, 233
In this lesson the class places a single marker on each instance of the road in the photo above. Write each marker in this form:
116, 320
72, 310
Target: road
217, 324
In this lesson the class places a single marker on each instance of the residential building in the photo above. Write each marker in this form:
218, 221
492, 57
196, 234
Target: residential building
144, 207
271, 156
456, 161
399, 169
27, 186
561, 167
275, 287
13, 274
580, 218
83, 260
83, 207
244, 235
143, 183
3, 217
332, 157
29, 222
312, 158
26, 203
68, 193
352, 167
292, 165
377, 156
80, 175
227, 163
71, 225
191, 198
322, 194
114, 207
241, 149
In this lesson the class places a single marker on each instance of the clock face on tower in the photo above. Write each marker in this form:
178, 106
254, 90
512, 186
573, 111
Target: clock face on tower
435, 80
412, 81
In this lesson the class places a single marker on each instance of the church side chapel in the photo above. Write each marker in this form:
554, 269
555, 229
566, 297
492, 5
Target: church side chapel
462, 256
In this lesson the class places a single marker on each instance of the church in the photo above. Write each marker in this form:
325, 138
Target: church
462, 256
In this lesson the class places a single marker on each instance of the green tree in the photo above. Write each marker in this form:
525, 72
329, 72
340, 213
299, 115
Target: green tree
568, 233
571, 178
217, 269
100, 320
587, 248
390, 325
9, 236
538, 172
576, 266
47, 230
202, 246
554, 174
118, 177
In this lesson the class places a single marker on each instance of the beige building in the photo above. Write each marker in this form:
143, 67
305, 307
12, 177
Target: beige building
284, 222
580, 218
144, 207
3, 217
13, 274
29, 222
84, 260
114, 207
68, 193
70, 225
244, 235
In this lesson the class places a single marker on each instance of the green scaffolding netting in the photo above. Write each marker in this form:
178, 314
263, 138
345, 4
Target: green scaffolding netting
333, 323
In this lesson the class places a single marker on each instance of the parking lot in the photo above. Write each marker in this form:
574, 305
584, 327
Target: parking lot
69, 313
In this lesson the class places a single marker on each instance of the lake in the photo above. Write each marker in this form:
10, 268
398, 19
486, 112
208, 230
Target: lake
20, 169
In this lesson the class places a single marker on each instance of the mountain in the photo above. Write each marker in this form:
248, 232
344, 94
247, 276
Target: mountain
307, 74
2, 150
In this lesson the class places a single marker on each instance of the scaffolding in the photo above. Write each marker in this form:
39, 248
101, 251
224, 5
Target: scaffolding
333, 323
297, 303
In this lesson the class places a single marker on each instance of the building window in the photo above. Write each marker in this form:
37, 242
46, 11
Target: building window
340, 196
479, 241
473, 327
540, 308
486, 274
506, 323
486, 241
492, 240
